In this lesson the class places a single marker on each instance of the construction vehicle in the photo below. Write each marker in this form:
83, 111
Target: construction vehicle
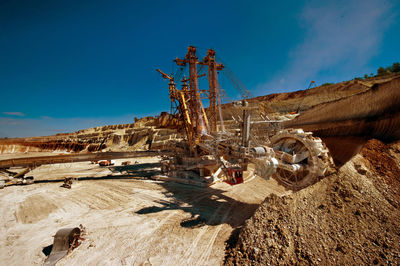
214, 152
106, 162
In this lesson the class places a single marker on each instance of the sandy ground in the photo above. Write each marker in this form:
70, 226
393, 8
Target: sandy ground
128, 221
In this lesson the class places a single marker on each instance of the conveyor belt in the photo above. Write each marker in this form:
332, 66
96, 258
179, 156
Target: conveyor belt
70, 158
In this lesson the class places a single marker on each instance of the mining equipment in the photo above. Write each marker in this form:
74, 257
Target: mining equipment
213, 151
65, 240
106, 162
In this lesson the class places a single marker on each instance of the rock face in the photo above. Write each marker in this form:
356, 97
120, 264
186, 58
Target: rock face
373, 113
299, 101
349, 218
145, 134
346, 124
43, 144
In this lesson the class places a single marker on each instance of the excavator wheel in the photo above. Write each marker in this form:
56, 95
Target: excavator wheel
313, 155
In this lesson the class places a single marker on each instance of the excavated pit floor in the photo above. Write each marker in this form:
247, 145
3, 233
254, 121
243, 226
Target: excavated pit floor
128, 221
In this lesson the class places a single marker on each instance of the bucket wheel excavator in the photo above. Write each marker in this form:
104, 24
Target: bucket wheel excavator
213, 151
307, 154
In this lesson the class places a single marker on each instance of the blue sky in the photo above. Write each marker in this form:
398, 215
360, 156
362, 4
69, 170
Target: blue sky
70, 65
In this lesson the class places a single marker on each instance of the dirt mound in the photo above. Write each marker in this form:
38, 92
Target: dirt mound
34, 209
385, 162
351, 217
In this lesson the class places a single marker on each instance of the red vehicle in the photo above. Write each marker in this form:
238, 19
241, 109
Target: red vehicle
106, 162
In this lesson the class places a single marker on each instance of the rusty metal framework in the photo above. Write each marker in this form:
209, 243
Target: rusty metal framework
295, 156
187, 101
213, 93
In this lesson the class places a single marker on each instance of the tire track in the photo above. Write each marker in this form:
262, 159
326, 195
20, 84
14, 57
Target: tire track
141, 239
193, 247
206, 255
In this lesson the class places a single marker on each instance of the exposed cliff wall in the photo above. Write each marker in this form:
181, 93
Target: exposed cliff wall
146, 133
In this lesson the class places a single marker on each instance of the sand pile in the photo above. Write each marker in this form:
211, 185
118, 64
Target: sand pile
351, 217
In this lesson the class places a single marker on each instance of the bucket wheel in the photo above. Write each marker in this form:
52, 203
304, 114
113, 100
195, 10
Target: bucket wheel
307, 155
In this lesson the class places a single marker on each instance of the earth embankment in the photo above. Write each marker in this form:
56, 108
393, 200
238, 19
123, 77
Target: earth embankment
349, 218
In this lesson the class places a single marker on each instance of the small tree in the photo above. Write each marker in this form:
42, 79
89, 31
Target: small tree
381, 72
395, 67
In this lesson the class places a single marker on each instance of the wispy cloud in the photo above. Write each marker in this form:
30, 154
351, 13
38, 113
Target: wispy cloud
14, 113
339, 35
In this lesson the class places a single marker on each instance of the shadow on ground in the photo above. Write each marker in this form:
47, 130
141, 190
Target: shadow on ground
206, 206
138, 170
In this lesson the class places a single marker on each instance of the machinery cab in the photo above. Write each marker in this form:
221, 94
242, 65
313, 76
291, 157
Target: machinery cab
235, 175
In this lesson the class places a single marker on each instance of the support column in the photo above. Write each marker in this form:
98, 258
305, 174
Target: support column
246, 125
194, 88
